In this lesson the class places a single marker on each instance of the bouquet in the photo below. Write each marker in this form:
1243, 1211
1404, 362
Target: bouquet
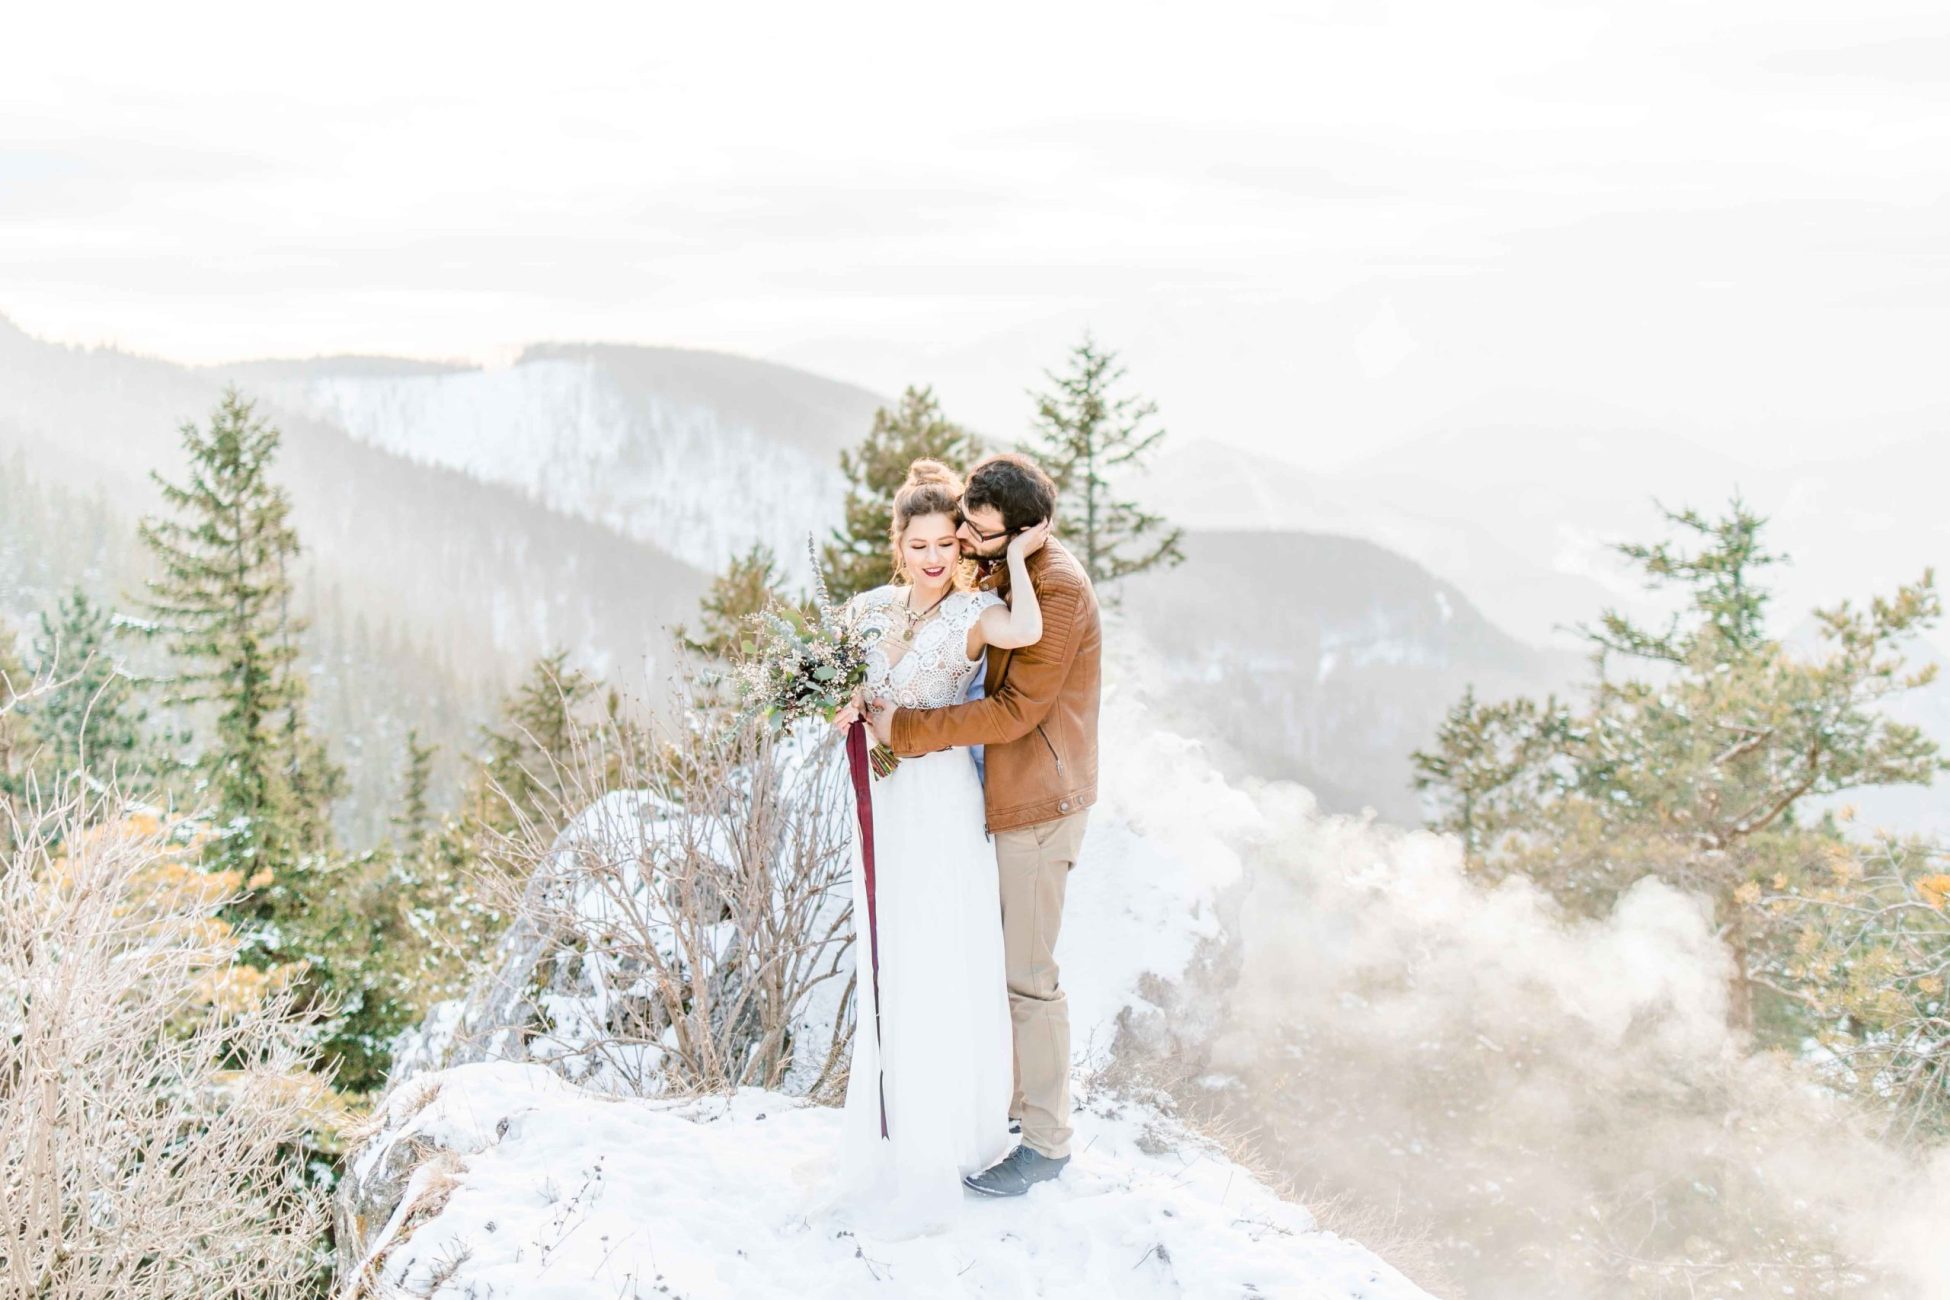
808, 665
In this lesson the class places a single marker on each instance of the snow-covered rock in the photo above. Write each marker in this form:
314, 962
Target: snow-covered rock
574, 982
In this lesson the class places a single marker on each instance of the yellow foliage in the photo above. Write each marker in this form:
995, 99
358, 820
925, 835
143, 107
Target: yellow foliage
330, 1113
178, 901
1934, 889
1748, 893
233, 989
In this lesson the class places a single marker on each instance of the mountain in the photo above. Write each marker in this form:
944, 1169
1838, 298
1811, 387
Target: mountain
1523, 516
501, 577
430, 588
653, 442
1520, 585
1323, 659
472, 518
698, 453
580, 497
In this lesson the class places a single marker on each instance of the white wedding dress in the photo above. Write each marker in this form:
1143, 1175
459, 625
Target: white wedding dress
942, 1055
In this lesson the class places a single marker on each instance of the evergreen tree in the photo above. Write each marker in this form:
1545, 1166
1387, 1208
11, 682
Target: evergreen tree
527, 759
1694, 767
1084, 430
95, 722
1481, 752
750, 585
859, 557
1727, 602
223, 603
414, 820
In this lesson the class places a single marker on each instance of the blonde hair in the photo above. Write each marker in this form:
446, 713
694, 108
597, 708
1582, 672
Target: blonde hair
931, 489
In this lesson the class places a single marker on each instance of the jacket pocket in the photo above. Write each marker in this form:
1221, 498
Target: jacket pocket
1051, 745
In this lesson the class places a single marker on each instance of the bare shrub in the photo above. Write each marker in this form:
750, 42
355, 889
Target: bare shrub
151, 1091
689, 929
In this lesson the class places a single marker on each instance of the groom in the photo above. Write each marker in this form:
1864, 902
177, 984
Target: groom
1038, 719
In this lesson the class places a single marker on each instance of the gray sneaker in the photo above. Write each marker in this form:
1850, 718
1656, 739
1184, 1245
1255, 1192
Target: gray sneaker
1015, 1173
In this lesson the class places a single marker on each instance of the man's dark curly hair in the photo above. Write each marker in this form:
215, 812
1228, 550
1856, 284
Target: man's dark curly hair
1015, 485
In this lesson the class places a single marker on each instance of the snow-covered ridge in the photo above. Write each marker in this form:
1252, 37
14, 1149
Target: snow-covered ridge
542, 1191
675, 472
504, 1179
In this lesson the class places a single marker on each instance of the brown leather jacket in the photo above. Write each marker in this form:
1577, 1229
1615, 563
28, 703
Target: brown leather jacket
1039, 717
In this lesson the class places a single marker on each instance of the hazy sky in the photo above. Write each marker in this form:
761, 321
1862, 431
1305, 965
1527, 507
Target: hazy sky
1315, 229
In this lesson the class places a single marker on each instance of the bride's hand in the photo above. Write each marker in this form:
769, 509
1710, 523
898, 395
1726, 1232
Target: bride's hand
1029, 541
849, 712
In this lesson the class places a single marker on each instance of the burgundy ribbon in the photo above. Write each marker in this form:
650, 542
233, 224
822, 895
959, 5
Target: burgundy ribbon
856, 761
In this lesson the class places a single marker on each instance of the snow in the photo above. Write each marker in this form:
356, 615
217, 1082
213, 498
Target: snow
656, 469
593, 881
564, 1190
567, 1194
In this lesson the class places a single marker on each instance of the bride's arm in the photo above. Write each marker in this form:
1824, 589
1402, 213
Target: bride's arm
1029, 689
1020, 622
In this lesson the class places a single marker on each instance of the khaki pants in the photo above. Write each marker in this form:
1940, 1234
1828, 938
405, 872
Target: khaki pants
1033, 864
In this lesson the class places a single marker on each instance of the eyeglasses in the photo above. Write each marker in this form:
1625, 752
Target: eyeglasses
981, 536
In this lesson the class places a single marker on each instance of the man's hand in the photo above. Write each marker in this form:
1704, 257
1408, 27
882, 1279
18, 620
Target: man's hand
1029, 541
880, 716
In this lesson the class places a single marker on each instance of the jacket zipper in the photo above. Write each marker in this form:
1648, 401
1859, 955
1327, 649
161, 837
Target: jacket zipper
1052, 748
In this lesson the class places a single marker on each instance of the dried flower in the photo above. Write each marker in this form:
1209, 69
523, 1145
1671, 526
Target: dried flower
797, 668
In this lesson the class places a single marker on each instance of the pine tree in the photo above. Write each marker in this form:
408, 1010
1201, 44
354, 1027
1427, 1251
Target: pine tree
1482, 752
95, 722
1729, 603
414, 820
522, 774
1084, 430
1695, 749
223, 603
750, 585
859, 556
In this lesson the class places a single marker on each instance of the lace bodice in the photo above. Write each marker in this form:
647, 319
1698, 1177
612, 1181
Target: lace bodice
935, 670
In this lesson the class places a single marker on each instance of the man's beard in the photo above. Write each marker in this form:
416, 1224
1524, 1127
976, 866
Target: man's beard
991, 571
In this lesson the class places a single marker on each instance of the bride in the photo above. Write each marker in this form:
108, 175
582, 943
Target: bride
931, 1053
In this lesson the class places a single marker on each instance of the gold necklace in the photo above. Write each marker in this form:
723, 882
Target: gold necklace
914, 620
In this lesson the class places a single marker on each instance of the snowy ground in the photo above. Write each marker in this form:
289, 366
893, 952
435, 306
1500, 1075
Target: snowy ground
562, 1194
528, 1187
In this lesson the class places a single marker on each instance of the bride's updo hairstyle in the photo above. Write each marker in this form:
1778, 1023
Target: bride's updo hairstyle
931, 489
